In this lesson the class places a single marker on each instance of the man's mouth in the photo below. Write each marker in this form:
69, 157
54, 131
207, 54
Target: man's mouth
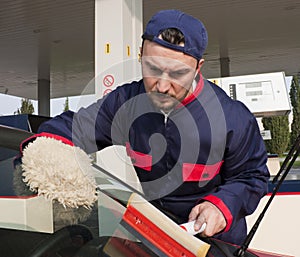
163, 97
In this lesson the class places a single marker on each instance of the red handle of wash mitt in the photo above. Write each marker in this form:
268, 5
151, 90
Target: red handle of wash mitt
44, 134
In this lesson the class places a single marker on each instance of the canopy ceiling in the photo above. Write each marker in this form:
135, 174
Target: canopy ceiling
257, 36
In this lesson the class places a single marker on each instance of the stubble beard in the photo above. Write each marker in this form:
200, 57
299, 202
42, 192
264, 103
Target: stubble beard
165, 102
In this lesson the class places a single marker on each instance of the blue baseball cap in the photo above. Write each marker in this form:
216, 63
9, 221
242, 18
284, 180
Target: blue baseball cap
195, 34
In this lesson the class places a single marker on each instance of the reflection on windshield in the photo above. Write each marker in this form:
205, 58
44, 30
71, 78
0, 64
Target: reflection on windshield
76, 232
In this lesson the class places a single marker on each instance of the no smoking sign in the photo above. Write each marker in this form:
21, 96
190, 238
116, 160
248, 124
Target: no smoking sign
108, 80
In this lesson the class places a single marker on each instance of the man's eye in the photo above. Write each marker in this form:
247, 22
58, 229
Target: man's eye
176, 74
155, 70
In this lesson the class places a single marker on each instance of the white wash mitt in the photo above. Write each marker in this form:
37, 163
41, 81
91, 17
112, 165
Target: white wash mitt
59, 172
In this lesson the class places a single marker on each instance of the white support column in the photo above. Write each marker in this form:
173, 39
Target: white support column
44, 76
225, 68
118, 30
44, 97
224, 55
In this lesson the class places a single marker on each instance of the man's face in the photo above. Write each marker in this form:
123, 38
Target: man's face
167, 74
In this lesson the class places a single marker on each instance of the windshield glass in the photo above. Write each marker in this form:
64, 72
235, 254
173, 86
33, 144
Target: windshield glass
31, 226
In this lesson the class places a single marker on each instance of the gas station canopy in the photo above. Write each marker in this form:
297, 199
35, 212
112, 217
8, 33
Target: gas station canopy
251, 36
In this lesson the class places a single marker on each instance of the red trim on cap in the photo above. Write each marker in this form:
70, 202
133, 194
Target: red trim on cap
139, 159
222, 207
196, 92
45, 134
200, 172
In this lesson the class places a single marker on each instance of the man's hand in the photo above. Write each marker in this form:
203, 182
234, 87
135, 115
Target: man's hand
208, 213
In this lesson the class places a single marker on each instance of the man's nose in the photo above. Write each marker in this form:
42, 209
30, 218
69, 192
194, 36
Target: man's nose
163, 85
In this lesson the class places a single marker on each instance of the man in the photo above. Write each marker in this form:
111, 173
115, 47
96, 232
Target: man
197, 153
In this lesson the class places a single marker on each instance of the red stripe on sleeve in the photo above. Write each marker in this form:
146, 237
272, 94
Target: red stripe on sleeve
222, 207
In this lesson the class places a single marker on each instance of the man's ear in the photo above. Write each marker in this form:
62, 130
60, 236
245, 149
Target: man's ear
200, 63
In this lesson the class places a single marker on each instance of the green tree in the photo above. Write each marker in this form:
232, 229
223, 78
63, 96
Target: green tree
66, 105
279, 127
295, 102
26, 107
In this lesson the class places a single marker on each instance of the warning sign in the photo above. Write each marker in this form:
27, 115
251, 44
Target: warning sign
108, 80
107, 91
